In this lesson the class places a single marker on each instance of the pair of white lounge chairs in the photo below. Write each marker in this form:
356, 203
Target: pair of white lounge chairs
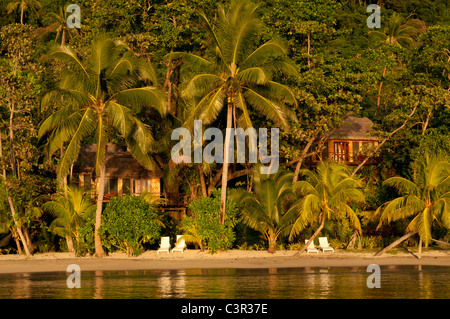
323, 244
180, 245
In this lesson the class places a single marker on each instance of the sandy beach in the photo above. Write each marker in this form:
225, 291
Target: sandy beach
194, 259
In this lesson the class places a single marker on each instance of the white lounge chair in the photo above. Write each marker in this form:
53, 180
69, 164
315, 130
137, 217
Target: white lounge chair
323, 244
180, 244
165, 245
311, 248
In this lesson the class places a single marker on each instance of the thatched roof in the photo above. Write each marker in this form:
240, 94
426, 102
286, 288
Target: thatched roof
119, 163
354, 128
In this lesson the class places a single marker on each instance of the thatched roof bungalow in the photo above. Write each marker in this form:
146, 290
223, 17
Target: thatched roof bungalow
124, 174
349, 142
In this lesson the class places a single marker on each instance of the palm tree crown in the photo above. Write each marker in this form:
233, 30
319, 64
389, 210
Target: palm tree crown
425, 198
99, 97
265, 209
235, 70
325, 195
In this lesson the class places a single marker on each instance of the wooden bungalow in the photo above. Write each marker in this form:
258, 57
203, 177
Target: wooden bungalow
350, 142
124, 174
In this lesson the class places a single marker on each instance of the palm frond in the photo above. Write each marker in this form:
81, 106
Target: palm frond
402, 184
67, 54
84, 128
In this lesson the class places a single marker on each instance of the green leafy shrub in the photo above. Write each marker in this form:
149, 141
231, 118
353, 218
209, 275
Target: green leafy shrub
127, 223
204, 228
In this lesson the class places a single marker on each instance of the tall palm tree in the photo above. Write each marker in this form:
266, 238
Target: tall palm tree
70, 211
266, 209
98, 97
61, 24
325, 195
425, 199
237, 74
24, 5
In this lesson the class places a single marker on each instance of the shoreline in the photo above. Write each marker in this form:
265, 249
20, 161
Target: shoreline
194, 259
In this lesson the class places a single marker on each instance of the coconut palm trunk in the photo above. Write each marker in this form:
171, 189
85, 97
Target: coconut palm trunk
317, 232
395, 243
223, 196
272, 240
99, 252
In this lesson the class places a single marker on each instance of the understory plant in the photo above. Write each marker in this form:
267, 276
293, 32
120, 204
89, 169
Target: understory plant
129, 222
204, 227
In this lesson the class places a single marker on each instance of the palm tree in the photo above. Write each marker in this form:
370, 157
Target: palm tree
325, 195
236, 73
98, 98
61, 21
70, 211
266, 209
425, 199
399, 33
23, 5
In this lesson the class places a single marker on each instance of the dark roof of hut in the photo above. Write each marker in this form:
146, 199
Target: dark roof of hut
119, 163
354, 128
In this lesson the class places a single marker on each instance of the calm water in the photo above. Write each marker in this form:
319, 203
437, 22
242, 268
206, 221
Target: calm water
299, 283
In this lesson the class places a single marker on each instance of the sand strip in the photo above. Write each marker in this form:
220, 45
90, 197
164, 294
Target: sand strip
193, 259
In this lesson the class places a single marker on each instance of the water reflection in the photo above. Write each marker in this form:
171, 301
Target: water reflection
172, 284
301, 283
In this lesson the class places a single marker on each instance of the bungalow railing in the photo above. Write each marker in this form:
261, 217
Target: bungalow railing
349, 158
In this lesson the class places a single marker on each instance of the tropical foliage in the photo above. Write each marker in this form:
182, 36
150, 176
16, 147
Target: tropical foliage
326, 195
203, 227
266, 208
425, 199
137, 70
70, 211
129, 222
98, 98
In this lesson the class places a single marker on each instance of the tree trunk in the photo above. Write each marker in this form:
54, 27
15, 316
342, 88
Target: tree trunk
21, 14
202, 181
27, 240
223, 195
19, 247
419, 253
272, 242
69, 242
309, 49
395, 243
99, 252
63, 37
379, 92
302, 157
301, 251
12, 208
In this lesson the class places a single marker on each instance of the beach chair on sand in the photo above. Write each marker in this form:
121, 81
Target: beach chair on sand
180, 244
311, 248
323, 244
165, 245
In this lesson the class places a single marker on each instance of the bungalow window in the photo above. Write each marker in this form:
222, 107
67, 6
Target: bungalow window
355, 149
126, 186
111, 186
340, 151
136, 184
